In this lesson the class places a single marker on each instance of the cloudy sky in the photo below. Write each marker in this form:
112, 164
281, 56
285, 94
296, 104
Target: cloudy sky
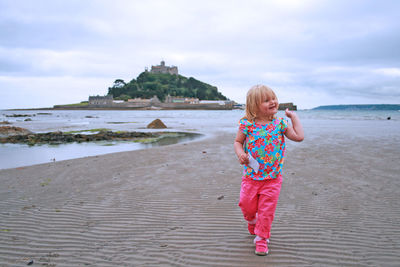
311, 52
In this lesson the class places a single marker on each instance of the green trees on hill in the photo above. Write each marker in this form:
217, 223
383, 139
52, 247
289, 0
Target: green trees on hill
149, 84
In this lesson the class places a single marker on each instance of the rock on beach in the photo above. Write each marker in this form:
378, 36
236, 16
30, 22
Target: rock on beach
6, 131
156, 124
60, 137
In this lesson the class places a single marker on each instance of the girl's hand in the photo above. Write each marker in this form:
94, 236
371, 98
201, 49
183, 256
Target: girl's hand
244, 158
289, 113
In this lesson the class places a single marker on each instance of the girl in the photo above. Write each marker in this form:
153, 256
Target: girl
260, 143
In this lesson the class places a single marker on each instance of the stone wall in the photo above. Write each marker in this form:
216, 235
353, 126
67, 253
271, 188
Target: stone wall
101, 100
290, 106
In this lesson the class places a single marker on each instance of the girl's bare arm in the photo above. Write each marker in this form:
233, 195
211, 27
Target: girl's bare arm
294, 132
238, 146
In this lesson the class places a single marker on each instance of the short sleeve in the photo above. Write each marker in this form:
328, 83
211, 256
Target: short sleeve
284, 125
244, 126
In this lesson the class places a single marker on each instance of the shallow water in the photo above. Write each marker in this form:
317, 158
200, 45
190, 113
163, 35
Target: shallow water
17, 155
329, 124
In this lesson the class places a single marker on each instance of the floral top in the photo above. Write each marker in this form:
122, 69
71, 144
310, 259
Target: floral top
266, 143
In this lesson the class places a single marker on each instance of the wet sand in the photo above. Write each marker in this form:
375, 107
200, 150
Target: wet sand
177, 206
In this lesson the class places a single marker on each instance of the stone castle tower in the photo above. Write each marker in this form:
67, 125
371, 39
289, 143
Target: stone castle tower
164, 69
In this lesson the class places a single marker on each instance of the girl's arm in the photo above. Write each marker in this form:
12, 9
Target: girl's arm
294, 132
238, 146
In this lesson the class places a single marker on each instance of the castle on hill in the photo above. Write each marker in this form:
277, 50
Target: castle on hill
164, 69
170, 102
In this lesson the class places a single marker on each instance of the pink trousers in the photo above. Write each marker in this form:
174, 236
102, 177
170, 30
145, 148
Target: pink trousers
259, 198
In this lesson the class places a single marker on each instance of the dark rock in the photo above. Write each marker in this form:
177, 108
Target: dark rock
12, 130
59, 137
18, 115
156, 124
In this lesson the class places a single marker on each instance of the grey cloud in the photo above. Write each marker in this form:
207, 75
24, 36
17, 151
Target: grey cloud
9, 67
331, 47
57, 35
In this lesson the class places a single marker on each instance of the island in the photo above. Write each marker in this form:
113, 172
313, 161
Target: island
161, 87
360, 107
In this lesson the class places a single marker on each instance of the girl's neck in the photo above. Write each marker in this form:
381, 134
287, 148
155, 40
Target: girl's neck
264, 119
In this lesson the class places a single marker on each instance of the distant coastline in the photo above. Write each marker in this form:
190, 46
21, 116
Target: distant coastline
162, 106
360, 107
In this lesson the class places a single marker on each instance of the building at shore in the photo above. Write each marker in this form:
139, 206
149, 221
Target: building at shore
179, 99
101, 100
290, 106
171, 102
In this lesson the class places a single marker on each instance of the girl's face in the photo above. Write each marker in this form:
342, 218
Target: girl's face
268, 107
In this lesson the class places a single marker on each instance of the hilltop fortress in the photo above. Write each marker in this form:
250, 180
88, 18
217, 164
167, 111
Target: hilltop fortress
164, 69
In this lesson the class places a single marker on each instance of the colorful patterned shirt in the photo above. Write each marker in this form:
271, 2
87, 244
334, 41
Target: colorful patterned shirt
266, 143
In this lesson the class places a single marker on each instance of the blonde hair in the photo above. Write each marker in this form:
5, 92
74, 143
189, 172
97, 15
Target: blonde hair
255, 96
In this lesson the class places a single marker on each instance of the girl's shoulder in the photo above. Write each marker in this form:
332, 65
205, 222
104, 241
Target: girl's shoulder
245, 122
245, 125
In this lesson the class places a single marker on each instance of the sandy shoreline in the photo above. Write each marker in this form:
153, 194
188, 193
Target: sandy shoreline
177, 206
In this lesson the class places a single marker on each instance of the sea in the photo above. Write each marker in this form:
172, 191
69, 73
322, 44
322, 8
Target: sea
316, 123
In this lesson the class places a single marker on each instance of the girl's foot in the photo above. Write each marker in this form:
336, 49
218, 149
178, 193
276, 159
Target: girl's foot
261, 246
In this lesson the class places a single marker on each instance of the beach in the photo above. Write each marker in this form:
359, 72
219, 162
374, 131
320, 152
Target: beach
176, 205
